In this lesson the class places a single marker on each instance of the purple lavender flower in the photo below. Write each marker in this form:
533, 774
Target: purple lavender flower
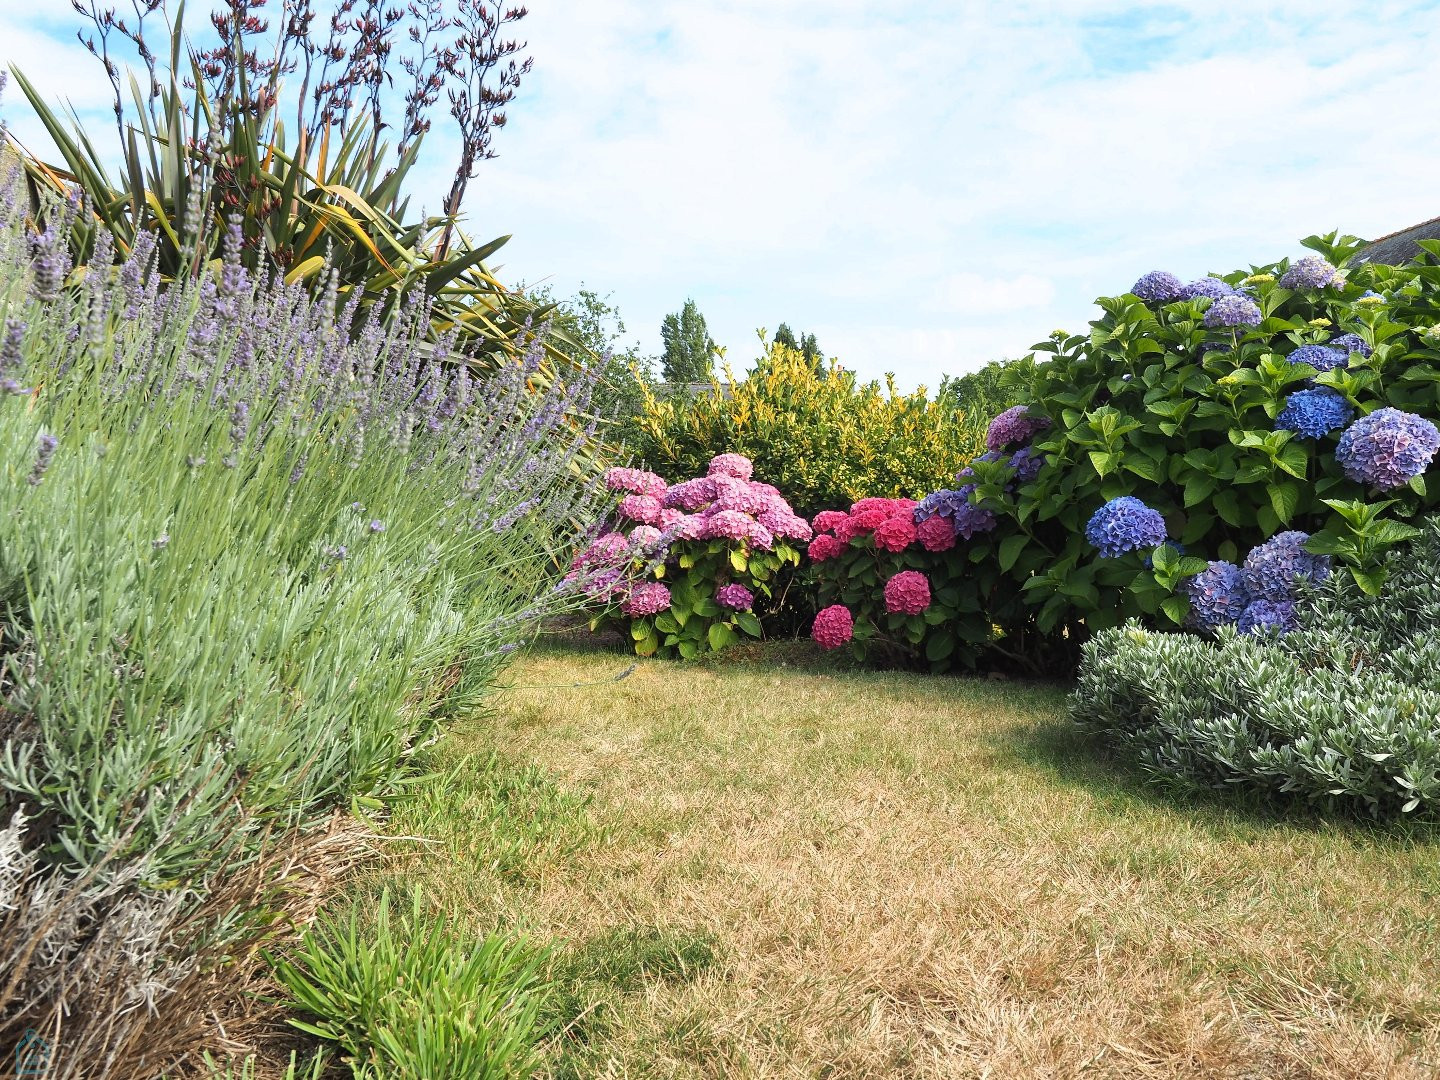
1232, 310
1272, 568
48, 443
1124, 524
1207, 287
1312, 414
1218, 595
49, 264
377, 526
1311, 272
1350, 343
1320, 357
11, 359
1387, 448
1263, 616
239, 423
1014, 425
1158, 287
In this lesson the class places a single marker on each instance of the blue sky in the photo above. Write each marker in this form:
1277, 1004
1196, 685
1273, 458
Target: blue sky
925, 186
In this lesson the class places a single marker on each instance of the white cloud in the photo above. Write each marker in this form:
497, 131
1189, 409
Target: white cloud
931, 185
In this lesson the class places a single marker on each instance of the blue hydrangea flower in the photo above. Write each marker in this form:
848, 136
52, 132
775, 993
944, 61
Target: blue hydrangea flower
1027, 463
1218, 595
969, 520
1125, 524
1320, 357
1234, 310
1387, 448
1349, 343
1261, 616
1209, 287
1311, 272
1158, 287
1313, 413
1272, 568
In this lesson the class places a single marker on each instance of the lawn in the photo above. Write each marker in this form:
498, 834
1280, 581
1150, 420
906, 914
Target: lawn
768, 867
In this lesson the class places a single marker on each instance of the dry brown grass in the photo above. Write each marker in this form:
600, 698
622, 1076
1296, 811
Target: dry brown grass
918, 877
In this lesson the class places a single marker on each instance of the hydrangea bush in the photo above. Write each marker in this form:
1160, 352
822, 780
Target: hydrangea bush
1340, 711
683, 568
1282, 418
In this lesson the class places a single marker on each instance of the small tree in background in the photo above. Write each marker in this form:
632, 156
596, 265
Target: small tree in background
689, 349
805, 345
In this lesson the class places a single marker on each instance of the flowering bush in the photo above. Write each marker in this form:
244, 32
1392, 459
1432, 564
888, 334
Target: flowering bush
819, 434
684, 565
1283, 418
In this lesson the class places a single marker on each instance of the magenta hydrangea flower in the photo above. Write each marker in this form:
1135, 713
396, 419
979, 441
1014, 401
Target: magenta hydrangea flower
647, 598
736, 597
895, 533
907, 593
1387, 448
1014, 425
936, 533
635, 481
760, 537
737, 465
824, 547
785, 523
834, 626
826, 520
642, 508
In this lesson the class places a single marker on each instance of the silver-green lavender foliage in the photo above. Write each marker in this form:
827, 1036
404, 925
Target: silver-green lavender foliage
1344, 711
250, 554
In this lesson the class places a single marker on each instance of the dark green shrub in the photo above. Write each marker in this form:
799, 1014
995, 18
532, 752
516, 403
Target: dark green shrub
1344, 711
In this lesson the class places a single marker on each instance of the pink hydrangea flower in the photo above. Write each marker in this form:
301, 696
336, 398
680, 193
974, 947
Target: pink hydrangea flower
642, 508
907, 593
689, 527
784, 523
936, 533
608, 549
736, 597
736, 465
833, 627
826, 520
824, 547
760, 537
635, 481
647, 598
669, 517
726, 525
733, 494
691, 495
645, 537
872, 502
895, 533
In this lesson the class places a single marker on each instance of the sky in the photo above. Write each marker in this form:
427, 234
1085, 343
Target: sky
925, 186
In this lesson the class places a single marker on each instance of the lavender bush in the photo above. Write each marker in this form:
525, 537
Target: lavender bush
250, 556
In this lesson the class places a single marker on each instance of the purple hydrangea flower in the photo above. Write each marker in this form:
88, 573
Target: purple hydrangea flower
1272, 568
727, 525
1350, 343
1311, 272
1125, 524
1218, 595
1232, 310
1208, 287
1320, 357
1158, 287
966, 519
1261, 616
1314, 413
1387, 448
1014, 425
736, 597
